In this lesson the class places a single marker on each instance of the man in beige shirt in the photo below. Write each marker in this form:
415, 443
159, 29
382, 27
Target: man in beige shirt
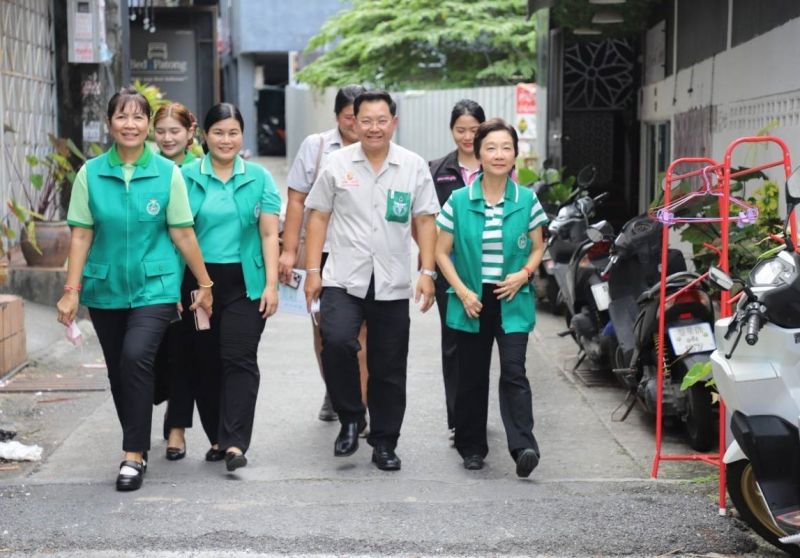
375, 189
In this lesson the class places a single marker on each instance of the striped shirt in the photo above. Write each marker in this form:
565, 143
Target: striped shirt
492, 241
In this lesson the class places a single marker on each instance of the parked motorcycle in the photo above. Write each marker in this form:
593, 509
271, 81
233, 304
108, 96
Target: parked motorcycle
544, 280
634, 277
578, 262
760, 384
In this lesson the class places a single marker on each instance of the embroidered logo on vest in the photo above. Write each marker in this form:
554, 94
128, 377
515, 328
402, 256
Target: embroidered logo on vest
522, 241
153, 207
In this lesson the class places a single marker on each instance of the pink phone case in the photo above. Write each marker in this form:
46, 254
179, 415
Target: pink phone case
201, 318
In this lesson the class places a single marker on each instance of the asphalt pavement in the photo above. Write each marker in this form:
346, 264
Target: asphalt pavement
590, 496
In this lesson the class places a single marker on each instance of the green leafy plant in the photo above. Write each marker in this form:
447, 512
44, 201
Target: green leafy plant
45, 192
699, 372
560, 187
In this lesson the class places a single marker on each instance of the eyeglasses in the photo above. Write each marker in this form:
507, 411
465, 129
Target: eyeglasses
368, 123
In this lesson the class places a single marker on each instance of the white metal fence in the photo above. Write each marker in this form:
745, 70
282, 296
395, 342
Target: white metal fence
424, 115
27, 88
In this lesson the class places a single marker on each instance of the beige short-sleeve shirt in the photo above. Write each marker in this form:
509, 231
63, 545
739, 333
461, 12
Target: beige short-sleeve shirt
362, 240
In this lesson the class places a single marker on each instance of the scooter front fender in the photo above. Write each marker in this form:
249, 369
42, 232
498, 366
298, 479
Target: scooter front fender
733, 453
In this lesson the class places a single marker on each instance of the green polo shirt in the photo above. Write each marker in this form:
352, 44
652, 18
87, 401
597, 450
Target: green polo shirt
179, 214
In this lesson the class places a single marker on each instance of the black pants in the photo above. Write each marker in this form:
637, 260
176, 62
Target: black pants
449, 351
130, 339
472, 399
178, 381
388, 325
223, 359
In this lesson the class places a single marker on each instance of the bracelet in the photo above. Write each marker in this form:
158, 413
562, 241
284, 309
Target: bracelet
211, 284
73, 289
528, 270
313, 270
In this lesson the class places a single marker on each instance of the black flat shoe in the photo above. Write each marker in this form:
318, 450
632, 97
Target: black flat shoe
527, 460
347, 440
326, 412
473, 462
385, 458
234, 460
175, 454
215, 455
126, 483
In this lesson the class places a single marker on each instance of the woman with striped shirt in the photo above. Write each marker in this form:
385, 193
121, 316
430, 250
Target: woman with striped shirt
490, 242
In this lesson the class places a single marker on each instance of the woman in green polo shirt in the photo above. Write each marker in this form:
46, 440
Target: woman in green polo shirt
129, 211
235, 205
174, 126
492, 230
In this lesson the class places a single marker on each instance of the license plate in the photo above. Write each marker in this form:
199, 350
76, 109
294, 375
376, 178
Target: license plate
695, 338
601, 298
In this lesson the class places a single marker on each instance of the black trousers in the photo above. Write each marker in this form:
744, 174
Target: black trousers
388, 325
224, 359
130, 339
449, 338
179, 385
472, 399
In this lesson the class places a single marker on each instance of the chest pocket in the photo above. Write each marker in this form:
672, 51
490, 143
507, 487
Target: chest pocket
398, 206
151, 206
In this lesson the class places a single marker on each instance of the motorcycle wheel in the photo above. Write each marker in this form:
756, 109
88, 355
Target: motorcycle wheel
746, 497
699, 418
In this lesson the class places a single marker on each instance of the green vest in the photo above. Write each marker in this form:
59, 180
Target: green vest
518, 315
248, 188
132, 261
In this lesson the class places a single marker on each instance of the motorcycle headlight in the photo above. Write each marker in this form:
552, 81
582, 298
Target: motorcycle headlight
767, 273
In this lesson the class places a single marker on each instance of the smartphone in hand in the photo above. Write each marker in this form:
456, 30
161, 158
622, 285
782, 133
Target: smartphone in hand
201, 317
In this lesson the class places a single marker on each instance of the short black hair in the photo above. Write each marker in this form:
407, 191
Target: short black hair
373, 96
346, 96
467, 107
128, 95
494, 125
222, 111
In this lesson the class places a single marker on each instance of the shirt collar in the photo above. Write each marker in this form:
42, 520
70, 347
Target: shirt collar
208, 169
142, 161
393, 157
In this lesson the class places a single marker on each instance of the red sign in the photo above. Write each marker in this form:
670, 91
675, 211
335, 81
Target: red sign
526, 98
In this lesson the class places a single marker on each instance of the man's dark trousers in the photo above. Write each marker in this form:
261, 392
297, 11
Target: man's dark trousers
388, 325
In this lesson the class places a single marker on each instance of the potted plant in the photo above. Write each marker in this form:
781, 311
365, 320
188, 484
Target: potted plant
39, 202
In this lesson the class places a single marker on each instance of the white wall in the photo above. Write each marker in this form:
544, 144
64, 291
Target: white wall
748, 85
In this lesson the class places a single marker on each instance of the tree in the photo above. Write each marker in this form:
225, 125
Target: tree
437, 43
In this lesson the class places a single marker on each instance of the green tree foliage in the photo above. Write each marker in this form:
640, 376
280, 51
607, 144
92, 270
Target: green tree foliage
441, 43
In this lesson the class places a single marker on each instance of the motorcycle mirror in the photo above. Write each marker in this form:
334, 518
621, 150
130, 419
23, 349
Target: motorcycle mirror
594, 234
793, 189
586, 176
720, 278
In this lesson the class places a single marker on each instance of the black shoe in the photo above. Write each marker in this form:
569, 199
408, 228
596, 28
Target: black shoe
527, 460
326, 412
234, 460
127, 483
215, 455
347, 440
385, 458
175, 454
473, 462
144, 461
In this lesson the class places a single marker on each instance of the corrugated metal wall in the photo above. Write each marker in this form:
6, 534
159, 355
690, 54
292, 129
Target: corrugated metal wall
424, 115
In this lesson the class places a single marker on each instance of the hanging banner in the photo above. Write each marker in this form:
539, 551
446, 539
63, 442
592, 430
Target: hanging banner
525, 122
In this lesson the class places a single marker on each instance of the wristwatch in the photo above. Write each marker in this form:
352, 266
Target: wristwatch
430, 273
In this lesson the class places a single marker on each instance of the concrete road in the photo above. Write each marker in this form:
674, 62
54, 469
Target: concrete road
590, 496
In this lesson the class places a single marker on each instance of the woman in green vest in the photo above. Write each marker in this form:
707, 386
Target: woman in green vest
490, 241
235, 205
174, 126
129, 211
